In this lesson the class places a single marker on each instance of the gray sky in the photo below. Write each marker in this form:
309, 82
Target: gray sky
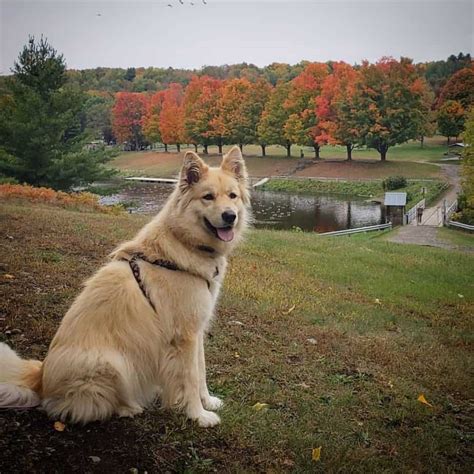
149, 33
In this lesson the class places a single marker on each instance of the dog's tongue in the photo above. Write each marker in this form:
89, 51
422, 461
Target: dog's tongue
225, 234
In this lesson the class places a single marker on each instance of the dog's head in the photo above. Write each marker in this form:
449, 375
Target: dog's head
214, 201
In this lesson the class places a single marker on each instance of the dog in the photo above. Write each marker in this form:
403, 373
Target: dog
137, 329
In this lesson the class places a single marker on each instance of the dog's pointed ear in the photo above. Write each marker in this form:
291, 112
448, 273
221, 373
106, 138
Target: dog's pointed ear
234, 163
192, 170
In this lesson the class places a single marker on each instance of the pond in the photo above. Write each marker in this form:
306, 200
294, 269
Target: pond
276, 210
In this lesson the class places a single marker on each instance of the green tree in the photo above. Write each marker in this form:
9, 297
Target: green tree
274, 116
41, 138
466, 200
451, 116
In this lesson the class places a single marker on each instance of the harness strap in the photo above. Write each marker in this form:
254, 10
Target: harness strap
159, 262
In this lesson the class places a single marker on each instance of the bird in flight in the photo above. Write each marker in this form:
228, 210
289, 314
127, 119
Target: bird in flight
99, 14
181, 1
204, 1
169, 5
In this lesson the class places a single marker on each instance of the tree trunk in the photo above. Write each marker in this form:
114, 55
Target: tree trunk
241, 146
288, 149
205, 148
219, 144
195, 147
316, 151
263, 150
178, 147
383, 154
422, 141
349, 152
166, 148
448, 141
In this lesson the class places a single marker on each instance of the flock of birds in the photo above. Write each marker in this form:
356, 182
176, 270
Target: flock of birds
182, 3
170, 5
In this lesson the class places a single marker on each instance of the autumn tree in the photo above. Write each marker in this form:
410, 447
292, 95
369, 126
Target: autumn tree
200, 107
451, 117
128, 114
270, 129
460, 87
335, 108
388, 104
239, 109
171, 121
466, 200
302, 126
151, 120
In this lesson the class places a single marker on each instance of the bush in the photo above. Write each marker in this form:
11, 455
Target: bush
80, 201
466, 213
394, 182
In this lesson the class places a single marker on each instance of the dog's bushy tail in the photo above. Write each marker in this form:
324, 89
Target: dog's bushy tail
20, 380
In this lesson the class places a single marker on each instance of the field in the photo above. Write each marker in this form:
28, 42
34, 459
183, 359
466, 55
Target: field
409, 160
335, 338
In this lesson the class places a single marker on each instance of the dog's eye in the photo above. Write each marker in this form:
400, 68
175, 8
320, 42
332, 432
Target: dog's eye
232, 195
208, 197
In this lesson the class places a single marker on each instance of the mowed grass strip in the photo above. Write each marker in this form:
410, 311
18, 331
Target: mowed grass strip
408, 160
338, 336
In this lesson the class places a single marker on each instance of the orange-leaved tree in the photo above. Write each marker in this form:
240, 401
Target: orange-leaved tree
171, 121
151, 121
460, 87
334, 108
302, 126
388, 104
127, 118
240, 106
200, 108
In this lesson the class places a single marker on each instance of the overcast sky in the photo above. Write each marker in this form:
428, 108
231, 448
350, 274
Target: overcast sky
150, 33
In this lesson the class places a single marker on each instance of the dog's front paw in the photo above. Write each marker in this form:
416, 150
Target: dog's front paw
207, 419
212, 403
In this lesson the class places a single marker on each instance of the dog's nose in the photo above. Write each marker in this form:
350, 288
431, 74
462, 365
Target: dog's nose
228, 217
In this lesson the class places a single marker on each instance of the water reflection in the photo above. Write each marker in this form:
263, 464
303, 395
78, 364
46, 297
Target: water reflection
321, 213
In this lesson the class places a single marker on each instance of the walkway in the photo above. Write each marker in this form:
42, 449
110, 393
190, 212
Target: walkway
426, 233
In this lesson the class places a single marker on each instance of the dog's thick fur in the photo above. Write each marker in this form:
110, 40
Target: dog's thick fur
113, 353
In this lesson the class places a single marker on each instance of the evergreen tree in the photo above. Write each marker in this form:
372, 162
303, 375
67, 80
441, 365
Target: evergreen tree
41, 138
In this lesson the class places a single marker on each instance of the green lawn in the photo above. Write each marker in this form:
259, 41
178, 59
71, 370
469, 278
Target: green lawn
409, 160
338, 336
369, 189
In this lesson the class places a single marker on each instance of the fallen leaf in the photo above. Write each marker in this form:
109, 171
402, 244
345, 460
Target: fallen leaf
260, 406
237, 355
290, 310
302, 385
58, 426
316, 454
423, 400
311, 340
8, 276
460, 296
377, 301
94, 459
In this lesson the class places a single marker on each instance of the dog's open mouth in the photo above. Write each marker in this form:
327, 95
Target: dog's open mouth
226, 234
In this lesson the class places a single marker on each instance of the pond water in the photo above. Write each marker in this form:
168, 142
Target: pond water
320, 213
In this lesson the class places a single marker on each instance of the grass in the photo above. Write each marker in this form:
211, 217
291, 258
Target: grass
357, 188
457, 237
338, 336
407, 160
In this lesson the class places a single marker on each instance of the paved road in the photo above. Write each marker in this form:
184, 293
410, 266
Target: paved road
426, 233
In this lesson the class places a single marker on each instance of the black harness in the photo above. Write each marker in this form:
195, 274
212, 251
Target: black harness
160, 263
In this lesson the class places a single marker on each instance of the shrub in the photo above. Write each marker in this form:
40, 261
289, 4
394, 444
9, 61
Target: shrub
394, 182
82, 201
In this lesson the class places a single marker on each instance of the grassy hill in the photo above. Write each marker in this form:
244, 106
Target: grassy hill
337, 336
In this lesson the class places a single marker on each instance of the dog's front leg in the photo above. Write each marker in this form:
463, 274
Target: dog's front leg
209, 402
192, 385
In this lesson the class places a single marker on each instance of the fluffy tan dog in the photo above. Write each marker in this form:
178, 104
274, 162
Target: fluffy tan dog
137, 329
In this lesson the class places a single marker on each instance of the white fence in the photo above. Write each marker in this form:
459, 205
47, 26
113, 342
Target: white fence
460, 225
358, 230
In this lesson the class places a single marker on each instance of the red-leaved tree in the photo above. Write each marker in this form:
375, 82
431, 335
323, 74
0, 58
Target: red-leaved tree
171, 121
127, 118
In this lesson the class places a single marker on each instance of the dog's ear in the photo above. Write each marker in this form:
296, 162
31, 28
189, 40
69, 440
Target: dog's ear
192, 170
234, 163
